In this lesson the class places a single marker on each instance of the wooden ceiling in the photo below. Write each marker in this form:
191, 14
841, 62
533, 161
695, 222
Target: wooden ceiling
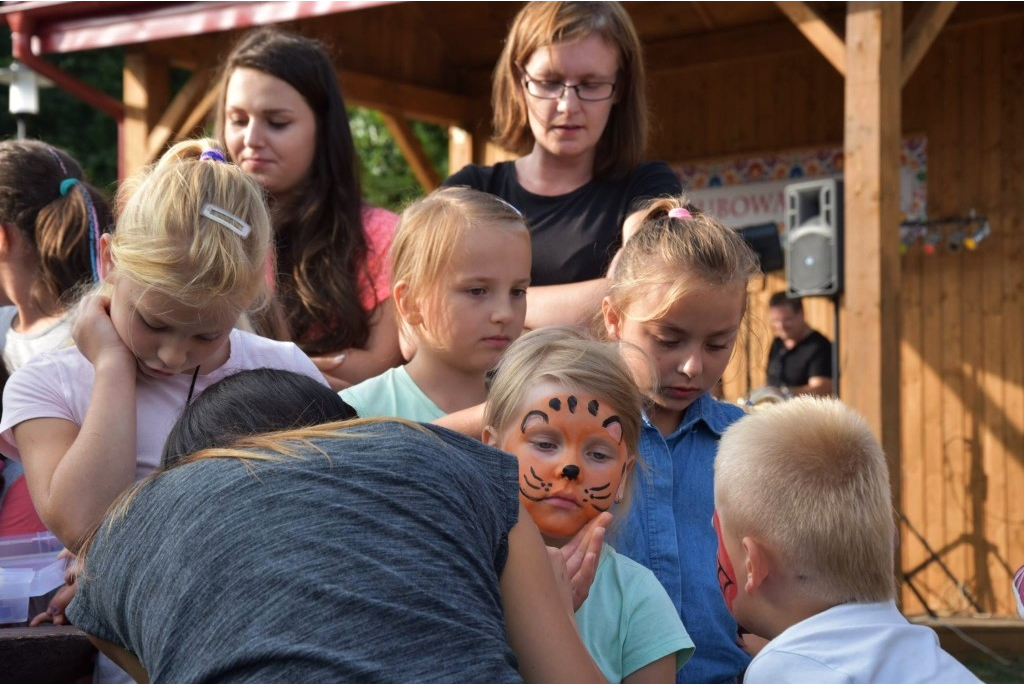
449, 47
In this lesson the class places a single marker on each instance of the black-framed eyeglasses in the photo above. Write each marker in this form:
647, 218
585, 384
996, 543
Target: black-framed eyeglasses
554, 90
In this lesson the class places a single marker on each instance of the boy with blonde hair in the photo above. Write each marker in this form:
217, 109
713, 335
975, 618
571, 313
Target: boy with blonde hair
806, 557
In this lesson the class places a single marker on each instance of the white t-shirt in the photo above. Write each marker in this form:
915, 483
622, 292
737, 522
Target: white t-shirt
18, 348
58, 384
856, 643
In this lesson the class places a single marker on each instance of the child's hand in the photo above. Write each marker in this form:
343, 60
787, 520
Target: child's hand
55, 613
752, 644
582, 554
94, 332
60, 601
563, 579
329, 367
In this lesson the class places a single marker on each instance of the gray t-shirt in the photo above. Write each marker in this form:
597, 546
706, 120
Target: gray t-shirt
375, 561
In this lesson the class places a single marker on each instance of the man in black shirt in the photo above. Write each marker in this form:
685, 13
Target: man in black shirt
800, 359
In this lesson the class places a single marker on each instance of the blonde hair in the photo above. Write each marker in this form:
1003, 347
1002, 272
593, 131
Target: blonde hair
540, 24
809, 479
579, 362
430, 229
680, 255
163, 242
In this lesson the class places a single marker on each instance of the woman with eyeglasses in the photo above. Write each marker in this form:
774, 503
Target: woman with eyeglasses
569, 97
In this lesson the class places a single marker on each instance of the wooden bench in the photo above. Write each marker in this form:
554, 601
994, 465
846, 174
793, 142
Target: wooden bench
45, 654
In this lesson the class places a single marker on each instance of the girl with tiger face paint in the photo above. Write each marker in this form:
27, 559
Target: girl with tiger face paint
567, 407
573, 463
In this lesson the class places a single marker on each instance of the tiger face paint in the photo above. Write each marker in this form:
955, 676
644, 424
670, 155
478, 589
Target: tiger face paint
573, 464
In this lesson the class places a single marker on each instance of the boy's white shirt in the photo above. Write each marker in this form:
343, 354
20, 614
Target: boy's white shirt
856, 643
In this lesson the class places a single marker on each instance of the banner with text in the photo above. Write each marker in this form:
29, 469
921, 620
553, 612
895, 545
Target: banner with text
751, 190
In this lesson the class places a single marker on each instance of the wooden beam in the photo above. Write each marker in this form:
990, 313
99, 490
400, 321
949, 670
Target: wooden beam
146, 90
413, 102
816, 30
703, 49
930, 18
412, 150
870, 317
705, 17
199, 114
169, 128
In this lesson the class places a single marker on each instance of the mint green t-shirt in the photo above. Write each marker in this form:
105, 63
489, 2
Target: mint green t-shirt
392, 393
628, 620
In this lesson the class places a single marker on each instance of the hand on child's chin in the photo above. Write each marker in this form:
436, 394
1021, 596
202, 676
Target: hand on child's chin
562, 579
751, 644
94, 333
581, 556
330, 367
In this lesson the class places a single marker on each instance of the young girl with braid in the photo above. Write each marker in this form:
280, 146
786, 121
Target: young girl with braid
679, 293
567, 407
51, 220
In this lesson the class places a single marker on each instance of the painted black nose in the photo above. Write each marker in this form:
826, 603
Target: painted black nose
571, 472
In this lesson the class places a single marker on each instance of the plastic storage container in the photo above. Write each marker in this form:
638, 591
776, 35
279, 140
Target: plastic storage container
29, 567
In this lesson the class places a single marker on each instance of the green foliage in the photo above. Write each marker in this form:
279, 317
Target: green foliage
386, 177
90, 136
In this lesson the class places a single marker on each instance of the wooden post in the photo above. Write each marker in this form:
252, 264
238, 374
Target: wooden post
870, 317
146, 94
460, 148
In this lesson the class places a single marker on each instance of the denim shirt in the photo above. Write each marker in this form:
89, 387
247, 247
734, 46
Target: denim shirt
668, 529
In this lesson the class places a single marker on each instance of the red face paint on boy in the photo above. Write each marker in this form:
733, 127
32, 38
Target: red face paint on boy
726, 574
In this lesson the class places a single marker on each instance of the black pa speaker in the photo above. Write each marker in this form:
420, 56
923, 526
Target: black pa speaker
814, 237
764, 240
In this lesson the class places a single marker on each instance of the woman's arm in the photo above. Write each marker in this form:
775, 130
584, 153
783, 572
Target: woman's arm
466, 421
566, 304
381, 353
541, 628
122, 657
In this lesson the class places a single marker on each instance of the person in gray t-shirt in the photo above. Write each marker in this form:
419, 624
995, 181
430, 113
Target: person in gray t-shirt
366, 551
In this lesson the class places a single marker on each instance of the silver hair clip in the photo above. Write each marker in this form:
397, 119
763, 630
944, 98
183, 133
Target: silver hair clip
226, 219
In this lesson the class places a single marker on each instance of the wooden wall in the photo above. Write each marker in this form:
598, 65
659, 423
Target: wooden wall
962, 377
962, 352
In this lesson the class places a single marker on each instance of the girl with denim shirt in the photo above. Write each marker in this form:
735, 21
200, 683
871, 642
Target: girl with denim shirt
679, 293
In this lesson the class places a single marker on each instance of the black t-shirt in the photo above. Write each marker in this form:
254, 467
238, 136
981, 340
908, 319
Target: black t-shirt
811, 357
574, 236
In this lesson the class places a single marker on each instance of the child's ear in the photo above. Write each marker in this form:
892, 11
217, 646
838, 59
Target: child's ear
106, 263
490, 436
6, 233
627, 471
758, 565
612, 319
408, 309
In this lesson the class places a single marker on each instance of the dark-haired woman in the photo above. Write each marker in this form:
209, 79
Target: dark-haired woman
281, 117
